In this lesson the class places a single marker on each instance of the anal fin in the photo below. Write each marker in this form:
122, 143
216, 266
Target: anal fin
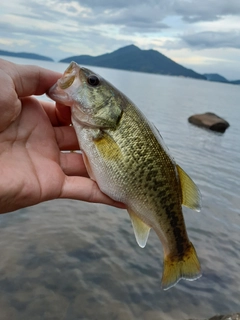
141, 229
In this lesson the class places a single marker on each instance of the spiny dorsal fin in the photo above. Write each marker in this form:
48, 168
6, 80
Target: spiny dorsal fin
141, 230
191, 196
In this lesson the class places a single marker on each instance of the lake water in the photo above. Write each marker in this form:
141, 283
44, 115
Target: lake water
68, 260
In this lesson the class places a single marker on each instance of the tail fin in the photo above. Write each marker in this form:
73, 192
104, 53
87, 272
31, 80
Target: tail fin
185, 267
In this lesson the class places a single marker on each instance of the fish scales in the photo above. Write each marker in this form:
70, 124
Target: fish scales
125, 154
154, 190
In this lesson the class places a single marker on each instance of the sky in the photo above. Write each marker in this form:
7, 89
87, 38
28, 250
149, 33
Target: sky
203, 35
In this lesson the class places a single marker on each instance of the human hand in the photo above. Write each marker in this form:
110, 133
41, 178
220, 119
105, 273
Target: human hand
32, 135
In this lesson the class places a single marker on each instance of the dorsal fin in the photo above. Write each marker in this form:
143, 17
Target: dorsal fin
141, 230
191, 196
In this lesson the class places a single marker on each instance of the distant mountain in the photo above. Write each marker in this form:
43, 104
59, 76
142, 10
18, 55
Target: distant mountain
235, 82
25, 55
218, 78
215, 77
134, 59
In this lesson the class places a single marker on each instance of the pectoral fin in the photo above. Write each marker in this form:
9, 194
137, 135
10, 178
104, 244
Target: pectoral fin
141, 230
191, 196
107, 147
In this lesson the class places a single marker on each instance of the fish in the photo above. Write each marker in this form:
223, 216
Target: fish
126, 155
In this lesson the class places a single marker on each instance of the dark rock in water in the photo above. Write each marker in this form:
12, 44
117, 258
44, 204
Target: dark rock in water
234, 316
210, 121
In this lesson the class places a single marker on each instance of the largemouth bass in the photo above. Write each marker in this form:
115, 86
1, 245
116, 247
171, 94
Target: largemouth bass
125, 154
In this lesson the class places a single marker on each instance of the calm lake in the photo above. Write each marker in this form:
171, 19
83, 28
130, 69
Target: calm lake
69, 260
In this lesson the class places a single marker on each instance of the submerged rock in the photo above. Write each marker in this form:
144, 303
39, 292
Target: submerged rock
210, 121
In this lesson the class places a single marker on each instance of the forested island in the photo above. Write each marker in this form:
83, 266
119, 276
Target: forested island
25, 55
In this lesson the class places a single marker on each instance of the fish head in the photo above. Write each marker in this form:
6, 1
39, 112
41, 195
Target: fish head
94, 101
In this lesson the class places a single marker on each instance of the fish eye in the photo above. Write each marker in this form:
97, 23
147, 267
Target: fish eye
93, 80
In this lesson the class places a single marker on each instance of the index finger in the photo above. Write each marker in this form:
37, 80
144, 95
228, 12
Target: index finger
28, 79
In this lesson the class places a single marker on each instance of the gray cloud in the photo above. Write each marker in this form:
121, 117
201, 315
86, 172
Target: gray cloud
10, 30
135, 16
101, 5
209, 39
136, 21
132, 15
156, 10
206, 10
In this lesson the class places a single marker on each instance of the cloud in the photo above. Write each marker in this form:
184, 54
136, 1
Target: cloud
206, 10
10, 30
122, 16
137, 16
210, 39
136, 23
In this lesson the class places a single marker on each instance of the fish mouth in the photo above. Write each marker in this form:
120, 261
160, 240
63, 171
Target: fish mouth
57, 94
62, 90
